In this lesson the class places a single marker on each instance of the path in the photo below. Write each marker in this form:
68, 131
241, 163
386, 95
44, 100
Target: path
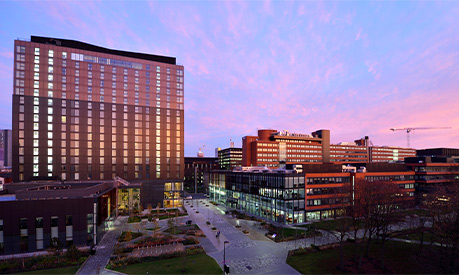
254, 254
95, 264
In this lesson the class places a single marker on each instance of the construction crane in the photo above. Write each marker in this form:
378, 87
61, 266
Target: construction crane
409, 129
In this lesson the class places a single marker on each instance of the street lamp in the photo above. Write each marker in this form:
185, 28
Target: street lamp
225, 267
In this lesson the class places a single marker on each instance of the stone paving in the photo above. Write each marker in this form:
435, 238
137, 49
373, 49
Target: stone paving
95, 264
245, 254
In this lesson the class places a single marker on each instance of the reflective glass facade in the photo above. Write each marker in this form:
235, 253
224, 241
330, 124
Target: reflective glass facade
275, 197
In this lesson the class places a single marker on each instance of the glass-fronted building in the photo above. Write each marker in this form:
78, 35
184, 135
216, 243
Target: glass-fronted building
277, 197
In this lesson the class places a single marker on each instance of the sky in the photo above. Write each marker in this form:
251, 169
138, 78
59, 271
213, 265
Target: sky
357, 68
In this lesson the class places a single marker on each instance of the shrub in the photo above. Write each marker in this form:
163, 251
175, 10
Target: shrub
134, 219
72, 253
190, 240
195, 250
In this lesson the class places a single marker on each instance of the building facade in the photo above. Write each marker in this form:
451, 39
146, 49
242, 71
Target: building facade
272, 148
390, 154
83, 112
229, 158
6, 148
195, 168
34, 216
320, 192
433, 173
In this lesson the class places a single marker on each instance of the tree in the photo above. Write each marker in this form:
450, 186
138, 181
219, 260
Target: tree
342, 222
172, 224
375, 204
443, 208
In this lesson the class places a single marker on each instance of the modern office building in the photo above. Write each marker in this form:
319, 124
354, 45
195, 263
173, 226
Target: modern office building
348, 152
6, 148
83, 112
433, 173
288, 197
439, 152
324, 184
229, 158
272, 148
390, 154
195, 168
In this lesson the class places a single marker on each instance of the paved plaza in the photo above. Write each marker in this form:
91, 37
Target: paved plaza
245, 254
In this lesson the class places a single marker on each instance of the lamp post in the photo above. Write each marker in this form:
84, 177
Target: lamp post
224, 257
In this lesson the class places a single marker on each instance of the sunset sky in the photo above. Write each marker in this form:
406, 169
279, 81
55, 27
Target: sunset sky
357, 68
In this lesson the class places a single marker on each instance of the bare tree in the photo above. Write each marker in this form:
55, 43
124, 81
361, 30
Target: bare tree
373, 208
443, 208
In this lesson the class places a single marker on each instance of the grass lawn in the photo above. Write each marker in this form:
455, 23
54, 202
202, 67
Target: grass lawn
399, 259
194, 264
328, 225
62, 270
415, 236
419, 212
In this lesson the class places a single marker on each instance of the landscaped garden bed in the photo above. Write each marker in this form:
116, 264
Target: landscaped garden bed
58, 259
193, 261
128, 235
134, 219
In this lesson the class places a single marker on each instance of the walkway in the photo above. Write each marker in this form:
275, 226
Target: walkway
95, 264
245, 254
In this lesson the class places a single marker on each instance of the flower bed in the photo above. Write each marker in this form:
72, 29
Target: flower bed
58, 259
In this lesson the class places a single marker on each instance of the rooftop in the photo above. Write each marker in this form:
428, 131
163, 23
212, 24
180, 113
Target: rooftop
88, 47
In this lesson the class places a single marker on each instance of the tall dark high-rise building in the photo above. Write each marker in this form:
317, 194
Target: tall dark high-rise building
83, 112
5, 148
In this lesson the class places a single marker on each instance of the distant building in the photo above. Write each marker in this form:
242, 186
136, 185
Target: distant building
274, 148
197, 167
439, 152
433, 173
33, 214
6, 148
390, 154
230, 158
